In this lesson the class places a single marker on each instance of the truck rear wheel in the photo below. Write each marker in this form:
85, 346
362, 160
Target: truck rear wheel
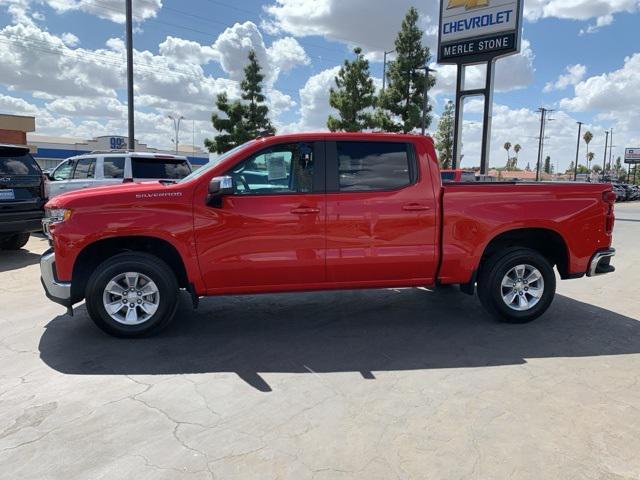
517, 286
132, 295
15, 242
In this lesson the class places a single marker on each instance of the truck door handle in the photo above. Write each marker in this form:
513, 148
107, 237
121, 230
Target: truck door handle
415, 207
305, 210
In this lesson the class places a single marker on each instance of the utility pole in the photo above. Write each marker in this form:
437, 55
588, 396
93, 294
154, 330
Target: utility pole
611, 149
176, 126
425, 100
543, 121
384, 69
604, 161
575, 171
129, 35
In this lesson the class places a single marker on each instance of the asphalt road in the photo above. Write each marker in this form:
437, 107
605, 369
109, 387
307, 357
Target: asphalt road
382, 384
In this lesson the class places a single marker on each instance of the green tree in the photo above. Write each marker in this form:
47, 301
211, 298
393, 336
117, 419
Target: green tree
587, 137
528, 167
243, 120
547, 165
354, 96
258, 122
444, 136
507, 147
597, 169
571, 168
618, 165
590, 157
516, 149
401, 104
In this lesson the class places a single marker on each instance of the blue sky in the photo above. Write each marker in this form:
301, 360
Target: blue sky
62, 61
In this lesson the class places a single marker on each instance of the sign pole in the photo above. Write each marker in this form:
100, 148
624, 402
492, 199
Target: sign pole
476, 32
487, 118
457, 125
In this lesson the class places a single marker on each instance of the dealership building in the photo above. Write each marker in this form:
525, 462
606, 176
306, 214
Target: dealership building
50, 151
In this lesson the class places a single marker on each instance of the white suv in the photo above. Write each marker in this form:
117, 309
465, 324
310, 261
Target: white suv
97, 169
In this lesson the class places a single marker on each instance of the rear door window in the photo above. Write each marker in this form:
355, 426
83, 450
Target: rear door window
367, 166
15, 163
113, 167
159, 168
85, 169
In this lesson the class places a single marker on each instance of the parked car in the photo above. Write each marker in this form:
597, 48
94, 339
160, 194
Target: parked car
99, 169
635, 192
21, 196
457, 176
322, 211
621, 193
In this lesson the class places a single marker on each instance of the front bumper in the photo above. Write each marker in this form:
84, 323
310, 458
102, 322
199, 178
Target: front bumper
59, 292
601, 263
21, 226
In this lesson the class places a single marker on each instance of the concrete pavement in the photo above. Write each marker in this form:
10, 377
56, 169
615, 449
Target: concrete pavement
405, 383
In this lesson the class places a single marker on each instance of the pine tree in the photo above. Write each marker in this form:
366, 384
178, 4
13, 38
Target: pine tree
401, 103
571, 168
528, 167
257, 112
547, 165
232, 126
354, 96
242, 121
444, 136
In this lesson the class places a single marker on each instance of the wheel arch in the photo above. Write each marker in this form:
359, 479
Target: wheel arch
547, 242
95, 253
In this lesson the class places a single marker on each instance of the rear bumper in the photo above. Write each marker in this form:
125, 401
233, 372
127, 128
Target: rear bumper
601, 263
59, 292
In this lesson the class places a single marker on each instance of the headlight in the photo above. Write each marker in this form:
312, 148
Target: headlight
57, 215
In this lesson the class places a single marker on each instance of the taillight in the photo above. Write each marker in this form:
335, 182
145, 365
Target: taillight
609, 197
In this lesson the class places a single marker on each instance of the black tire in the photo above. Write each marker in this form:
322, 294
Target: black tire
149, 265
490, 284
15, 242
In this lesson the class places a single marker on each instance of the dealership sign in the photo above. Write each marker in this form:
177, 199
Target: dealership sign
473, 31
632, 155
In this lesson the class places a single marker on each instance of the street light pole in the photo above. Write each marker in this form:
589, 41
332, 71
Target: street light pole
604, 161
176, 126
384, 69
575, 170
129, 35
611, 150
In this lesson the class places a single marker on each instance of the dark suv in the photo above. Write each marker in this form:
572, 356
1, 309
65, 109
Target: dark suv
21, 196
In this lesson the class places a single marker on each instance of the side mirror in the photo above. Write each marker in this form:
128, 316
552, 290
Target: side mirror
218, 188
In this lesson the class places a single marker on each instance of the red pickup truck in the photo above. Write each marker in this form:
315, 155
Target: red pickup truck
315, 212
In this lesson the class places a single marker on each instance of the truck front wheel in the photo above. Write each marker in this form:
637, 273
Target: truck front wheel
517, 286
132, 295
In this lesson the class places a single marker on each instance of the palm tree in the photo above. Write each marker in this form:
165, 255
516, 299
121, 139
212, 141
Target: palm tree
588, 136
507, 147
590, 157
516, 149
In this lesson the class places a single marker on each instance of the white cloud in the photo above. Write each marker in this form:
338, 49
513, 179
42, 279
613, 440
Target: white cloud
70, 40
186, 51
314, 102
372, 25
600, 10
113, 10
574, 75
286, 54
617, 91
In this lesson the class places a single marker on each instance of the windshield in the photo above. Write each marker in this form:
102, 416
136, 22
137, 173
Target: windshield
14, 163
208, 166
